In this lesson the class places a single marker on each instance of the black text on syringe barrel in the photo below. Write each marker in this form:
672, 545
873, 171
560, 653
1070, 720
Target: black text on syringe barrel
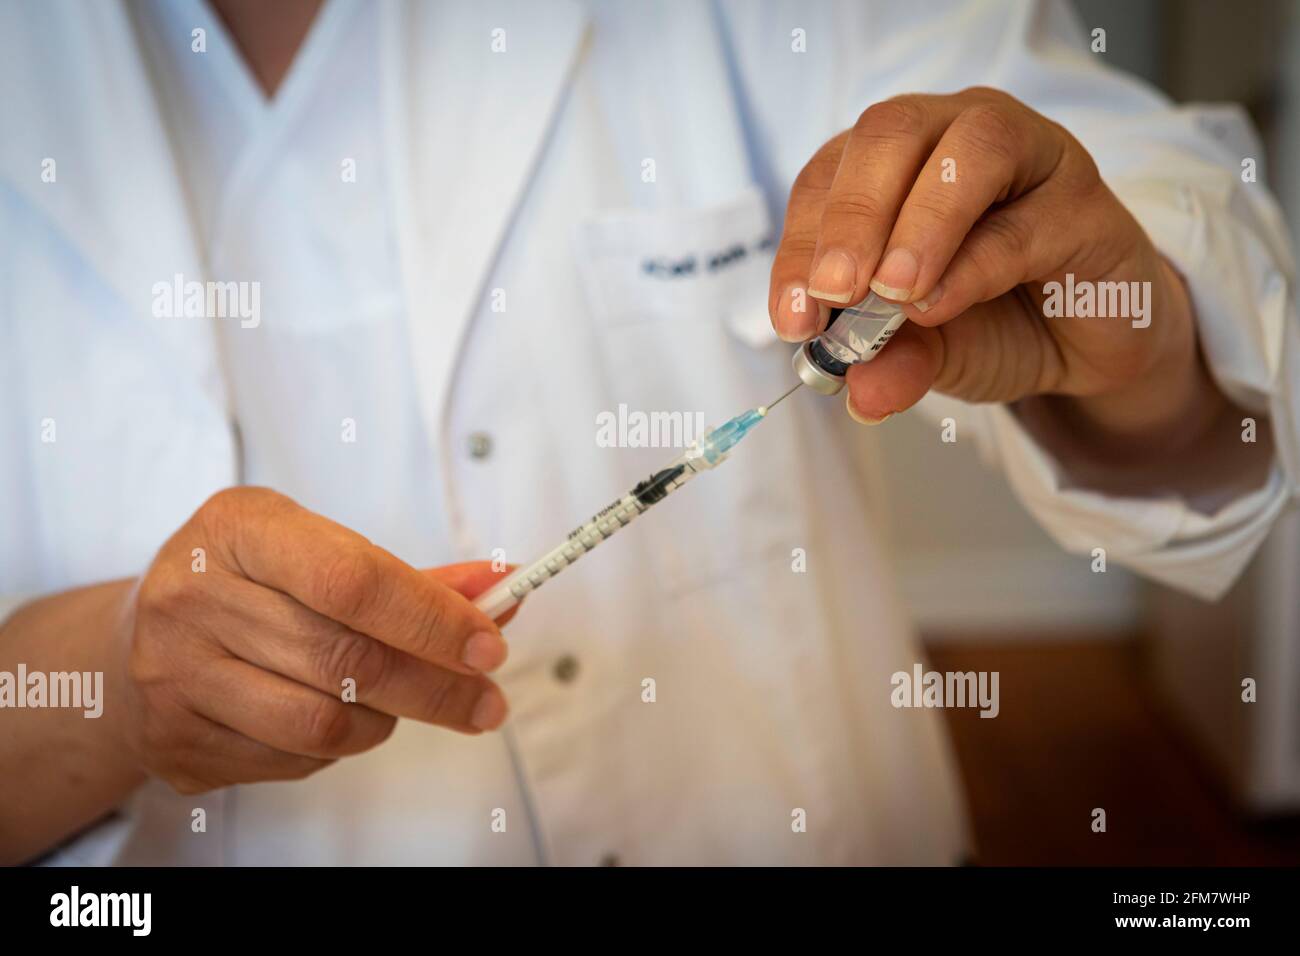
601, 526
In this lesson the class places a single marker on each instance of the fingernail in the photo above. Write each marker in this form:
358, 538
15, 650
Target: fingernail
490, 710
835, 277
484, 651
861, 419
926, 304
896, 275
797, 314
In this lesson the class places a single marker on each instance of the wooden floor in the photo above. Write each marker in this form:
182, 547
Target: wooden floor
1087, 734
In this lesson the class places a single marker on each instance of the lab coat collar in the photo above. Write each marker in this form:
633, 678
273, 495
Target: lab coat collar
466, 118
82, 95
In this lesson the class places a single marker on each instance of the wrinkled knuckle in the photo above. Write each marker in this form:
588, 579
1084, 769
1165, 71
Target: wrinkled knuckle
990, 132
934, 207
854, 205
348, 584
1007, 238
434, 631
801, 246
356, 656
899, 118
327, 725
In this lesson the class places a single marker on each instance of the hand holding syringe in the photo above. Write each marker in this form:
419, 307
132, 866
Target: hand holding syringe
855, 335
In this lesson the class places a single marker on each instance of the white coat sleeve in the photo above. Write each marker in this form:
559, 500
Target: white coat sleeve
1179, 171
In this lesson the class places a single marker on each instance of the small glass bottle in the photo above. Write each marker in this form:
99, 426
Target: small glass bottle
853, 335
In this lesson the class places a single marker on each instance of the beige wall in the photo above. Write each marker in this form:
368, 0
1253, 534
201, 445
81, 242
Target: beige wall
972, 560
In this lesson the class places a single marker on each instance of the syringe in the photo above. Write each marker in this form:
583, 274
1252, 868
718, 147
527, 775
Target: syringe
853, 335
706, 453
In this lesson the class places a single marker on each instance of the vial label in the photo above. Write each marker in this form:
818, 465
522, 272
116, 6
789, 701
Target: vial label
860, 331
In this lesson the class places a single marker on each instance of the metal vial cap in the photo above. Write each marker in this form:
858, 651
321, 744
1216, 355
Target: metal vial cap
812, 374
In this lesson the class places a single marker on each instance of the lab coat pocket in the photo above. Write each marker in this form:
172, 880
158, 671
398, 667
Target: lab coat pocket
679, 313
690, 264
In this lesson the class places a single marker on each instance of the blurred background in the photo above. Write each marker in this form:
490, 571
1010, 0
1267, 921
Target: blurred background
1134, 692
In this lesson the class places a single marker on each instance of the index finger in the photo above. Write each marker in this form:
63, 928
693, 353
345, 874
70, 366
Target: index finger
882, 156
338, 573
472, 578
795, 315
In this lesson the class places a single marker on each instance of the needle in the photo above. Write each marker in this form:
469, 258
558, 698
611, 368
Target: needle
764, 409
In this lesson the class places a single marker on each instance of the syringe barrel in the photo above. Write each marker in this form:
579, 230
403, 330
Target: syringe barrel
505, 595
854, 335
582, 539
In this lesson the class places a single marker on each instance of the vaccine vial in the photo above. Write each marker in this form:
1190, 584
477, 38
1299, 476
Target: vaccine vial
853, 335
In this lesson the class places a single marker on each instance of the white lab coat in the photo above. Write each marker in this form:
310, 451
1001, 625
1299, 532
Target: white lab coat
772, 686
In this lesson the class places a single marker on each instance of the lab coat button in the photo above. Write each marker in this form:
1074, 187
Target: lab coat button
566, 669
480, 445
